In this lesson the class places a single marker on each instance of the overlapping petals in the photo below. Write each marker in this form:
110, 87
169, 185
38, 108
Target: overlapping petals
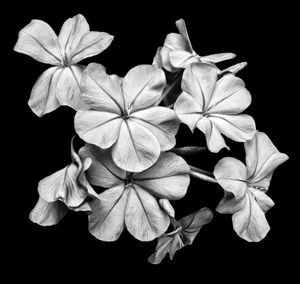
60, 85
177, 51
131, 199
245, 187
186, 231
123, 115
214, 106
67, 188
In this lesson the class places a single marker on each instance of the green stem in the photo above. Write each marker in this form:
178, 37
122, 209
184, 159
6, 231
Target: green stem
202, 174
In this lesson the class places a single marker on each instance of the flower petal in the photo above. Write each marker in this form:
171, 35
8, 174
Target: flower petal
91, 44
250, 222
166, 205
103, 171
262, 158
229, 204
68, 86
234, 68
162, 122
188, 110
199, 80
136, 148
176, 41
42, 98
167, 178
181, 58
101, 91
231, 174
180, 24
263, 200
39, 41
143, 86
214, 139
106, 222
98, 128
218, 57
236, 127
71, 33
162, 248
144, 219
48, 213
230, 96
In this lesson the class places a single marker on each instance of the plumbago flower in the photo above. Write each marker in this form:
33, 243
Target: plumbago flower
66, 189
246, 186
177, 51
214, 106
123, 114
130, 199
186, 230
60, 85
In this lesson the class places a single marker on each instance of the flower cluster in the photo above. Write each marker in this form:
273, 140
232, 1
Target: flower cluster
129, 126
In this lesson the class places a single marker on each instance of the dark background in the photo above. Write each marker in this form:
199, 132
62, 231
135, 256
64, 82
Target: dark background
260, 35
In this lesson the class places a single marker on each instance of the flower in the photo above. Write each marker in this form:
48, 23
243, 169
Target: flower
130, 199
67, 188
59, 85
123, 115
185, 232
177, 51
214, 106
246, 186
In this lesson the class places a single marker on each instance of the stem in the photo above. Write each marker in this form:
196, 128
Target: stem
202, 174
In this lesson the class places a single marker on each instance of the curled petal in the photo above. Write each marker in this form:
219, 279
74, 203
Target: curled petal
234, 68
167, 178
215, 58
48, 213
136, 148
143, 86
162, 122
143, 217
176, 41
162, 248
236, 127
182, 58
39, 41
166, 205
214, 139
98, 128
231, 174
43, 98
180, 24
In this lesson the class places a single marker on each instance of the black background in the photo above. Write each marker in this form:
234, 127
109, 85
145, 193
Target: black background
260, 35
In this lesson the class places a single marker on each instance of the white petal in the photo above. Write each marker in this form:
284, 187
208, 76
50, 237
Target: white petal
167, 178
71, 33
229, 204
42, 98
215, 58
106, 222
39, 41
91, 44
180, 24
250, 223
162, 122
181, 58
188, 110
98, 127
162, 248
234, 68
101, 91
143, 86
68, 88
263, 200
176, 41
199, 80
262, 158
143, 217
47, 213
231, 174
214, 139
166, 205
136, 148
239, 127
103, 171
230, 96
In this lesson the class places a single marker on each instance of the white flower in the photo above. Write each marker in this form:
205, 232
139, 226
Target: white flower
214, 106
123, 115
245, 187
60, 85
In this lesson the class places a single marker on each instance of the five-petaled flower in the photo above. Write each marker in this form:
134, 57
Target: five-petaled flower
123, 113
245, 186
60, 85
66, 189
177, 52
214, 106
131, 199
